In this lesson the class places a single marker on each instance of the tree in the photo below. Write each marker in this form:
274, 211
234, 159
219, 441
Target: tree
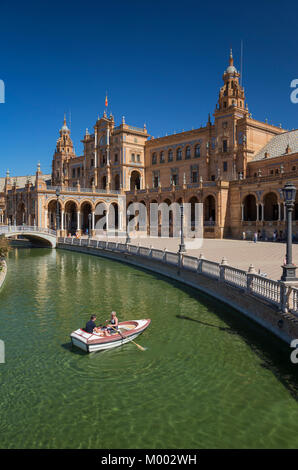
4, 247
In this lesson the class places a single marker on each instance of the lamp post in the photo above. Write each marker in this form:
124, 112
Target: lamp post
182, 245
289, 269
57, 210
89, 220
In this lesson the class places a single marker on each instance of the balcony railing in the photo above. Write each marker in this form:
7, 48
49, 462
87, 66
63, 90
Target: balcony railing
74, 189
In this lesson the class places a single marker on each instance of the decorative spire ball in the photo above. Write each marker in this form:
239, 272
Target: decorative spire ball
231, 57
231, 69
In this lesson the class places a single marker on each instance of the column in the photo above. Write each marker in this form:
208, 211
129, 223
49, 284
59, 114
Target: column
257, 218
285, 213
46, 218
262, 217
62, 219
93, 220
279, 211
78, 220
120, 218
242, 212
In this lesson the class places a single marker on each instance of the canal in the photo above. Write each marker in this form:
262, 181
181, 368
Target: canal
208, 378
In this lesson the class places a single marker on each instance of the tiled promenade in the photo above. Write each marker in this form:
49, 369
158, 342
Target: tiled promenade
265, 256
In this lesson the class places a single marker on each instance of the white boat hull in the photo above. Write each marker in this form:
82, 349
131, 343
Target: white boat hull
95, 342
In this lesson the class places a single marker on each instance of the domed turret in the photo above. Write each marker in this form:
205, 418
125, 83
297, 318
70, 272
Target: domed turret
64, 128
231, 93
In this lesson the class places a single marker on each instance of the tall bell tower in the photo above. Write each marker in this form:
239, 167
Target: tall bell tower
63, 152
231, 94
229, 109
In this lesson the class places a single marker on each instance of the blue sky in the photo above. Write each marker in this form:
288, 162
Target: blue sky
160, 61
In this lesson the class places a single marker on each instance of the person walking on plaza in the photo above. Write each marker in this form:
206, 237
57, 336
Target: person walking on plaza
255, 237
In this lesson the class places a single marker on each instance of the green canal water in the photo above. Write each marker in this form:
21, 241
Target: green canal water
208, 378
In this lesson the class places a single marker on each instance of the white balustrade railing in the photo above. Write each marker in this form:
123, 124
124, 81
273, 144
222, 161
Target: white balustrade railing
144, 251
171, 258
190, 262
210, 268
234, 276
132, 249
26, 228
266, 288
293, 300
157, 254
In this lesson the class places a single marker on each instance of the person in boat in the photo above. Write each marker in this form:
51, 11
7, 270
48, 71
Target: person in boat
90, 325
112, 326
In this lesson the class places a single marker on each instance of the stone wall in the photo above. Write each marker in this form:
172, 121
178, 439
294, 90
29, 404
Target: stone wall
3, 272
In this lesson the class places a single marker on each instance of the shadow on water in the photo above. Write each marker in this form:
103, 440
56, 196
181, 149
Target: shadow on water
221, 328
272, 352
70, 348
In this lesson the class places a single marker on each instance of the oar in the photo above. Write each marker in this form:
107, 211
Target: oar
138, 345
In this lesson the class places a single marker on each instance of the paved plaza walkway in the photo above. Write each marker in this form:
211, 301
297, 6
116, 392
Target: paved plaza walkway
265, 256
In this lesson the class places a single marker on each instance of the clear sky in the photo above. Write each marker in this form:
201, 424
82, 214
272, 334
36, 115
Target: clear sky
160, 61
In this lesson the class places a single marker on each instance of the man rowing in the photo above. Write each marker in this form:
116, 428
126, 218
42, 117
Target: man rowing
90, 325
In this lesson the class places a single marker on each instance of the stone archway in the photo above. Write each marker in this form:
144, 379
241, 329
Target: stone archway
71, 217
86, 217
21, 214
135, 180
250, 208
101, 211
193, 201
209, 210
113, 217
52, 215
270, 207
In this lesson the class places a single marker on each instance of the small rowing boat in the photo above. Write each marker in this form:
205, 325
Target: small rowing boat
127, 331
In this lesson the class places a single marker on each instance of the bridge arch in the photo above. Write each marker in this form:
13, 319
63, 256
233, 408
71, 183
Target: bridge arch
43, 235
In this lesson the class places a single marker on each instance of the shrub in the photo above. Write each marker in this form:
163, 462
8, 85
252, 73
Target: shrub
4, 247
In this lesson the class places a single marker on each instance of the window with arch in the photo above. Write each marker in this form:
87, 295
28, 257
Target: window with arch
162, 157
170, 155
153, 158
197, 151
179, 154
187, 153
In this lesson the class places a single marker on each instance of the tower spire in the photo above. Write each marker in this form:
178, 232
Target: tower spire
231, 57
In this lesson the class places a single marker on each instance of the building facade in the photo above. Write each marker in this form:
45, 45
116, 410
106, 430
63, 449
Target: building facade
235, 165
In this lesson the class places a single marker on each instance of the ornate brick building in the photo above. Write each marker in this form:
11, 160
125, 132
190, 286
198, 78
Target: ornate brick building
235, 166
